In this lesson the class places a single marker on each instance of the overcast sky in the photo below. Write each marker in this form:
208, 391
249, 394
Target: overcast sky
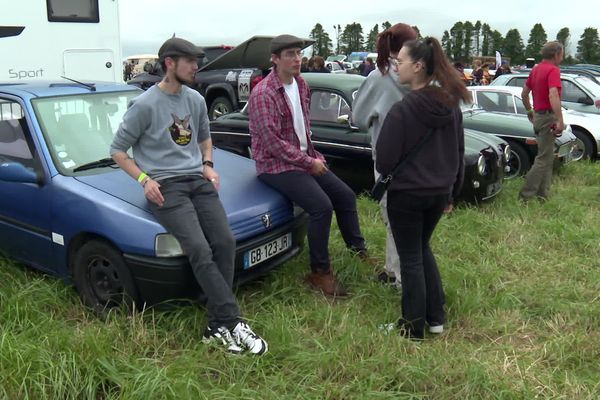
146, 24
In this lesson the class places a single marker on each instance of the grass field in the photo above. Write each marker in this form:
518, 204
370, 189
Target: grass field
523, 300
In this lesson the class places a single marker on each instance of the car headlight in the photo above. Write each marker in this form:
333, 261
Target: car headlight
481, 168
506, 153
165, 245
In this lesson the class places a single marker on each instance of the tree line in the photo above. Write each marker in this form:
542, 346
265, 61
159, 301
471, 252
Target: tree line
464, 41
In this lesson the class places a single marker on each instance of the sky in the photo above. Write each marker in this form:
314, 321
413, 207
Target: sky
145, 24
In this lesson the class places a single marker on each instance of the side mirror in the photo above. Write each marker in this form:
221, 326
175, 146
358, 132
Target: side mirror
15, 172
585, 100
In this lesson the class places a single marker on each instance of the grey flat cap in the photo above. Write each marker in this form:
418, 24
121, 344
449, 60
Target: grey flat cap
283, 42
176, 47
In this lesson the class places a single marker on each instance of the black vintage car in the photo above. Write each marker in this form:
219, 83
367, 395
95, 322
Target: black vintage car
348, 149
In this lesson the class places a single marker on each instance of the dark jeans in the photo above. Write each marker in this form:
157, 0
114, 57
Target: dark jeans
413, 220
319, 196
193, 213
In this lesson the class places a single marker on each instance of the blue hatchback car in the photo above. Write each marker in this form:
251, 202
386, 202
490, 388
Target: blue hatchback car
68, 210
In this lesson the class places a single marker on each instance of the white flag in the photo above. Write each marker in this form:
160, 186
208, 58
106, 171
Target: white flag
498, 59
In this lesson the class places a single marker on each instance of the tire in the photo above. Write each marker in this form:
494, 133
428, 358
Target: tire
585, 146
219, 106
102, 278
519, 161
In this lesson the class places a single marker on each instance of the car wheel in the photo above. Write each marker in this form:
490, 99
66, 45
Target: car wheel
102, 277
584, 147
219, 106
519, 162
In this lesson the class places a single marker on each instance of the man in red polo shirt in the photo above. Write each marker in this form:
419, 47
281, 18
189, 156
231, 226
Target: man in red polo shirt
547, 119
287, 161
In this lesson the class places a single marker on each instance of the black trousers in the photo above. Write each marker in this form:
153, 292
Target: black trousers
319, 196
413, 220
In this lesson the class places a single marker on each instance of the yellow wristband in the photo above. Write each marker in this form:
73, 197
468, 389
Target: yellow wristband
141, 178
530, 111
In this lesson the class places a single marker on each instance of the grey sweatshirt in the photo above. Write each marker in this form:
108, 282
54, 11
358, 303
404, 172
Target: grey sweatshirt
164, 130
376, 95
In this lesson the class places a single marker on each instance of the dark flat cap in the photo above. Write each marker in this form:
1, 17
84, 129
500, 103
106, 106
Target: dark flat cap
283, 42
176, 47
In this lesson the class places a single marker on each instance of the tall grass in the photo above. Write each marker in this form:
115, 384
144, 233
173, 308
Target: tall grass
523, 301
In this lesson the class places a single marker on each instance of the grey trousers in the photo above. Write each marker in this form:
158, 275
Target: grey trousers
392, 260
193, 213
539, 177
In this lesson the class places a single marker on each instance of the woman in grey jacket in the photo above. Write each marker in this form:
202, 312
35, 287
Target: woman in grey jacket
374, 99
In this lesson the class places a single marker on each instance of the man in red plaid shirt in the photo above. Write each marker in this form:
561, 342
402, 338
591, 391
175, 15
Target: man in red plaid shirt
287, 161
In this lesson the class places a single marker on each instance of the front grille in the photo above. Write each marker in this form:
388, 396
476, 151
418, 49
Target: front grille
254, 225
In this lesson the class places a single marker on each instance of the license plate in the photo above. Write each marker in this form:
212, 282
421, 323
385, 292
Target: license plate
267, 250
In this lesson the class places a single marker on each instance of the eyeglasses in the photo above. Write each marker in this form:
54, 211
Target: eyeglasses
291, 54
398, 62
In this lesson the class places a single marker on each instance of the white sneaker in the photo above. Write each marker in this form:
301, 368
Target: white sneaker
245, 337
221, 336
436, 328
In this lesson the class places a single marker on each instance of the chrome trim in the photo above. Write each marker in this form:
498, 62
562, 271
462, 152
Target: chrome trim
342, 146
230, 133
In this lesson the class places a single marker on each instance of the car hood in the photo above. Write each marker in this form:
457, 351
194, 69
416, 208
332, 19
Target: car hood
245, 199
253, 53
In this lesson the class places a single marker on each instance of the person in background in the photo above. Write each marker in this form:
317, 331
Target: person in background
504, 69
304, 65
319, 65
477, 73
424, 189
374, 99
167, 128
547, 119
287, 161
369, 66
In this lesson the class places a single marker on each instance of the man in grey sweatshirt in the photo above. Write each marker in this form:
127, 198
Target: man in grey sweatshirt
377, 94
167, 128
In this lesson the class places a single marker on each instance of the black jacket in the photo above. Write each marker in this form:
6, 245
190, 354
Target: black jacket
438, 167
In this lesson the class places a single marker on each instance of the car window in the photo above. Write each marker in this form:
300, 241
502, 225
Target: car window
589, 84
570, 92
495, 101
79, 129
328, 107
519, 81
13, 128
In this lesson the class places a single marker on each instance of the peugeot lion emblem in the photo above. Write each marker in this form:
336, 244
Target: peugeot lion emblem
266, 220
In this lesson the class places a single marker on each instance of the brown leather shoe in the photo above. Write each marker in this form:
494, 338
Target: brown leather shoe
326, 283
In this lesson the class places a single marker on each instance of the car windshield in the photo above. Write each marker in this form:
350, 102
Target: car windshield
589, 84
80, 128
336, 58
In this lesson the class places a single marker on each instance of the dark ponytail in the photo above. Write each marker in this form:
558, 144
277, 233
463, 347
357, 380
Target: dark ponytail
391, 41
439, 69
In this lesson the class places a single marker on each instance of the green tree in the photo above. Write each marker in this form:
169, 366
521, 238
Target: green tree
371, 43
352, 38
496, 42
588, 47
477, 35
323, 45
537, 39
486, 32
457, 37
416, 28
468, 40
385, 25
447, 44
563, 36
513, 47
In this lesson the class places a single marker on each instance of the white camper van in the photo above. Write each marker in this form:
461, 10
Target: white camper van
44, 39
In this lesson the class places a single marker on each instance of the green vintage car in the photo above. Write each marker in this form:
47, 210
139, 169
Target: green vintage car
348, 149
518, 132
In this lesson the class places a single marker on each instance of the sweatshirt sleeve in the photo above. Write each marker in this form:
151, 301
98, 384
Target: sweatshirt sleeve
461, 152
363, 110
135, 122
390, 143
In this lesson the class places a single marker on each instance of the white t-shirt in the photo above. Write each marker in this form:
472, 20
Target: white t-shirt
293, 94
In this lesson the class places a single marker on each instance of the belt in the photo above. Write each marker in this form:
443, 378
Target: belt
544, 111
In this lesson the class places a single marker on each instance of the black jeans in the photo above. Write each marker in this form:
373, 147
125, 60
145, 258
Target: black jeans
193, 213
319, 196
413, 220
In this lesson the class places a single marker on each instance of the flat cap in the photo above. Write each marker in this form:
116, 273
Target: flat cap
283, 42
175, 47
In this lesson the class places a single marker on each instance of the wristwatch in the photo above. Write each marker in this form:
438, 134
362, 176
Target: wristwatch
209, 163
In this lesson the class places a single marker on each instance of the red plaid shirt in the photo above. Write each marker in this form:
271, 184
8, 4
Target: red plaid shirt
275, 145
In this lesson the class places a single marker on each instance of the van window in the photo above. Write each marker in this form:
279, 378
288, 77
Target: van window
73, 11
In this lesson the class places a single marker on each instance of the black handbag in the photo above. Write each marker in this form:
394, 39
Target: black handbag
382, 183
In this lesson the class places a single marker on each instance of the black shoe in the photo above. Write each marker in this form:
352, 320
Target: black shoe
385, 278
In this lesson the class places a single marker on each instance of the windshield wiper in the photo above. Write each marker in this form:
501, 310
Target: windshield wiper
105, 162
